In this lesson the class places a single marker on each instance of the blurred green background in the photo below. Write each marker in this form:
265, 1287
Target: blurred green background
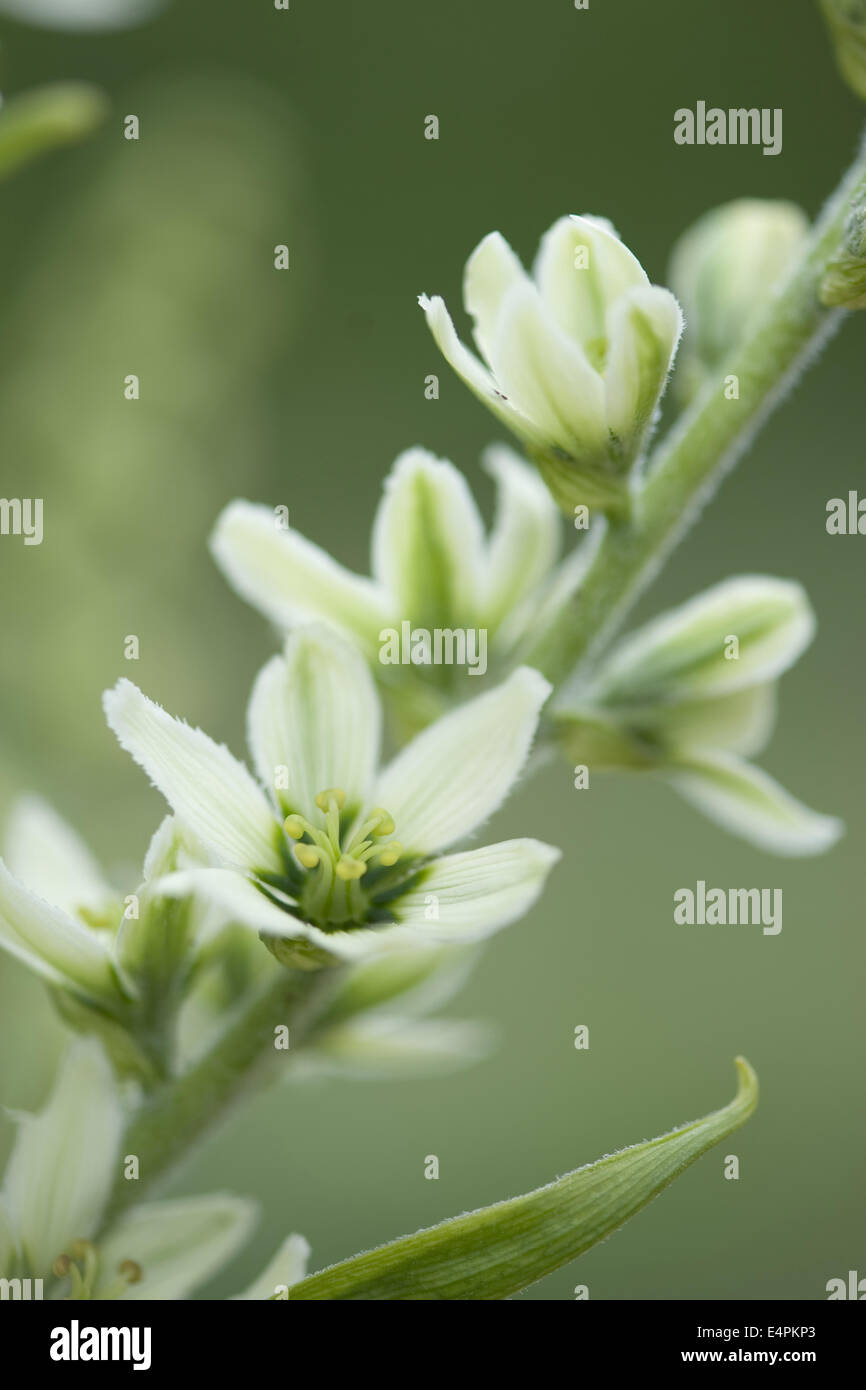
306, 128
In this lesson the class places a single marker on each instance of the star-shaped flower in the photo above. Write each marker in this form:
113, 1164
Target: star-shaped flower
307, 855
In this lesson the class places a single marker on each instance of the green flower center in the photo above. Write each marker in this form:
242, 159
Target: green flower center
334, 864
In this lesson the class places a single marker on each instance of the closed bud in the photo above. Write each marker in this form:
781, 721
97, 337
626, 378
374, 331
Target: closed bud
722, 270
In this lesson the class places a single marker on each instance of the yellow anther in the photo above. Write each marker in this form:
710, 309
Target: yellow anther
80, 1249
307, 855
61, 1266
294, 826
390, 853
348, 868
324, 799
131, 1271
380, 822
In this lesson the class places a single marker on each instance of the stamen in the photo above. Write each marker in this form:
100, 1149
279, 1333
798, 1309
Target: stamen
349, 868
307, 855
390, 853
131, 1271
335, 794
380, 822
295, 826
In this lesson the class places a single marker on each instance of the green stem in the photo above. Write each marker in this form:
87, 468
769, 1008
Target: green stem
706, 442
171, 1120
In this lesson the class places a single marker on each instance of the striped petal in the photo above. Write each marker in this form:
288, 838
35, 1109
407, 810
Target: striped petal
209, 790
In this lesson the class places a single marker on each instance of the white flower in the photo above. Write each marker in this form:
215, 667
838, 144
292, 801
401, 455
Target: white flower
692, 695
60, 916
432, 565
575, 357
62, 1168
308, 856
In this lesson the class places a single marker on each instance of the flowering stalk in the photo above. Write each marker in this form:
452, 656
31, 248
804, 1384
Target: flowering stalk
707, 441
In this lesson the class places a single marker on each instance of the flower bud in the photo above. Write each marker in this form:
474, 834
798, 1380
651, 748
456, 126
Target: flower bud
722, 270
575, 357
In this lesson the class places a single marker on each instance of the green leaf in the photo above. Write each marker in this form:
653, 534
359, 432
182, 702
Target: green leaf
39, 121
499, 1250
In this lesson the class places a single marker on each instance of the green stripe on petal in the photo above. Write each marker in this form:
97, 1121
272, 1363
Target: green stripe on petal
491, 271
316, 713
477, 892
291, 580
204, 784
65, 1158
526, 537
682, 653
44, 852
56, 946
475, 374
493, 1253
644, 330
428, 541
457, 772
177, 1244
750, 804
549, 378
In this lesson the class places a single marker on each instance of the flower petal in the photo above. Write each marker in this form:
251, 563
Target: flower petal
46, 854
291, 580
474, 373
457, 772
387, 1048
526, 536
246, 905
206, 786
581, 267
428, 541
56, 946
749, 803
288, 1266
682, 653
178, 1244
475, 893
548, 376
315, 713
64, 1159
737, 723
490, 272
644, 329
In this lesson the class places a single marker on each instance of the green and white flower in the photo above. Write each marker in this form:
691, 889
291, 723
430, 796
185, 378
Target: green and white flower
575, 357
63, 1166
432, 566
691, 696
58, 913
306, 855
118, 967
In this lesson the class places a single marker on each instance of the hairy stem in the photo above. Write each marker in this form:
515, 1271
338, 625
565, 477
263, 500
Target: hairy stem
707, 441
172, 1119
